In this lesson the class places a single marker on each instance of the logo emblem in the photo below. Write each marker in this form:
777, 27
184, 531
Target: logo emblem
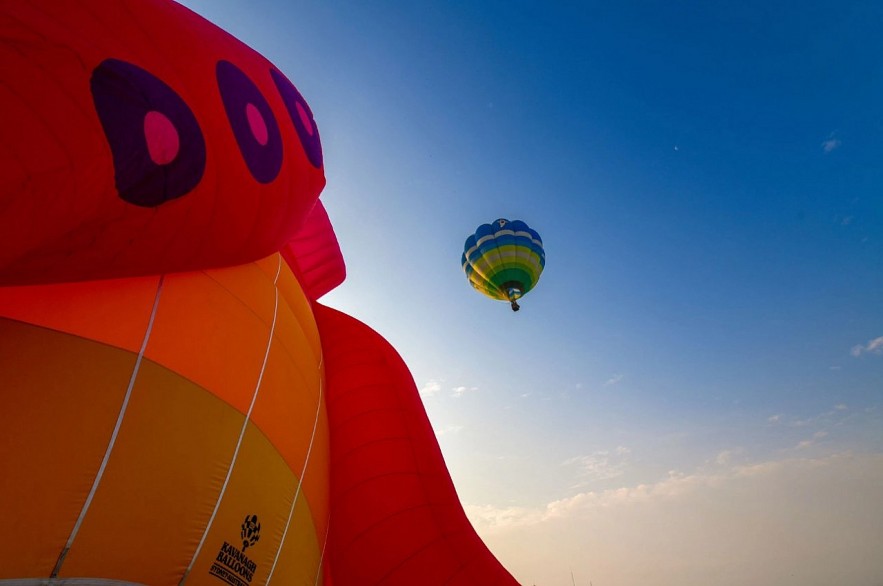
251, 531
232, 565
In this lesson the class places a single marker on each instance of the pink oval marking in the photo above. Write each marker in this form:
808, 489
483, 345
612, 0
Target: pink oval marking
304, 118
163, 143
257, 124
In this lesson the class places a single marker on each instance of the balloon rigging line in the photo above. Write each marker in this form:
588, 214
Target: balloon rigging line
113, 435
241, 432
322, 555
301, 479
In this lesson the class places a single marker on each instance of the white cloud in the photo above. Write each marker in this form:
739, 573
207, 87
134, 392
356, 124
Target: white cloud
874, 346
675, 484
613, 380
449, 429
782, 522
836, 415
432, 387
808, 443
599, 465
831, 144
726, 457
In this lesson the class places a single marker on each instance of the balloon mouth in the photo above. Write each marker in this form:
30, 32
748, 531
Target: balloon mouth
513, 292
513, 289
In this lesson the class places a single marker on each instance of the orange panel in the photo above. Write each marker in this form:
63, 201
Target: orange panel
180, 429
61, 398
287, 407
301, 308
115, 312
212, 337
286, 410
317, 474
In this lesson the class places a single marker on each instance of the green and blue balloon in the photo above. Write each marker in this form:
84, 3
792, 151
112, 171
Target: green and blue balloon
503, 260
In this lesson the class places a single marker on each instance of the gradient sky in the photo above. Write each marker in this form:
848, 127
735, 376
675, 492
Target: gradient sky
693, 394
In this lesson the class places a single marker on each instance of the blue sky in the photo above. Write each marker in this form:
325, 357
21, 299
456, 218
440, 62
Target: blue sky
693, 393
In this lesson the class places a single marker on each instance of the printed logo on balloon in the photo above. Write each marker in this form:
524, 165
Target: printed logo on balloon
231, 564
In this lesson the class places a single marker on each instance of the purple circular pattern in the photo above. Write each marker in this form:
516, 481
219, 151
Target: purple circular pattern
124, 95
296, 106
238, 92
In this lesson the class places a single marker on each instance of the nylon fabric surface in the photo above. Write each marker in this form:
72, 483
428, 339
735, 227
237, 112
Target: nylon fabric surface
396, 517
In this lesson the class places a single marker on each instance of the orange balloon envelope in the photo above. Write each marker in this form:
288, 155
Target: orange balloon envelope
177, 407
147, 419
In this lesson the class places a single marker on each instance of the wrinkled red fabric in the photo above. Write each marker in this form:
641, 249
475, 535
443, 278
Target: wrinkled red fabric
314, 254
395, 515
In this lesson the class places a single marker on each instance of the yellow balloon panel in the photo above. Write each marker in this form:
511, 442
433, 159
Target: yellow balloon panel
290, 569
61, 396
260, 485
160, 485
177, 453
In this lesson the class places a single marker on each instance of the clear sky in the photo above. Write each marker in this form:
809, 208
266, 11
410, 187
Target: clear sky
693, 394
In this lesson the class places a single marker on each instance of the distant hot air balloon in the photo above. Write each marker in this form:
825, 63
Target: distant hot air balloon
504, 260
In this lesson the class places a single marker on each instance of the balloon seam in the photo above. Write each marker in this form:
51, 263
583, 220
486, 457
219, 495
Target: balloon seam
241, 432
299, 482
322, 555
113, 436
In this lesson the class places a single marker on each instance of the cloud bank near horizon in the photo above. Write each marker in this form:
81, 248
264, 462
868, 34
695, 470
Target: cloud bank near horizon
789, 522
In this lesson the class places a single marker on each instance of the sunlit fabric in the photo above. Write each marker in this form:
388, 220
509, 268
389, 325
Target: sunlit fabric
146, 418
503, 260
138, 138
162, 375
395, 515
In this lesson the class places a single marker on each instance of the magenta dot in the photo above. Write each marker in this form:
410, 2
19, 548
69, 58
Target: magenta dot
163, 143
304, 118
257, 124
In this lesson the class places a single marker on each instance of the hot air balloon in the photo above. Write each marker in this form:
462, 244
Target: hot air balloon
504, 260
178, 408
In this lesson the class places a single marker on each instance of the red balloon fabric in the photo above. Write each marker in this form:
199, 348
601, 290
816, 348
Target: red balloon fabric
395, 515
314, 254
152, 168
137, 138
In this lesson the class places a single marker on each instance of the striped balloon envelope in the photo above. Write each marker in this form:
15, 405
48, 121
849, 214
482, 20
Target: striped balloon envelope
504, 260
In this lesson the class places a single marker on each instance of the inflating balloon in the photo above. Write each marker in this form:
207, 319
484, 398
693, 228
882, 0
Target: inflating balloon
177, 407
504, 260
